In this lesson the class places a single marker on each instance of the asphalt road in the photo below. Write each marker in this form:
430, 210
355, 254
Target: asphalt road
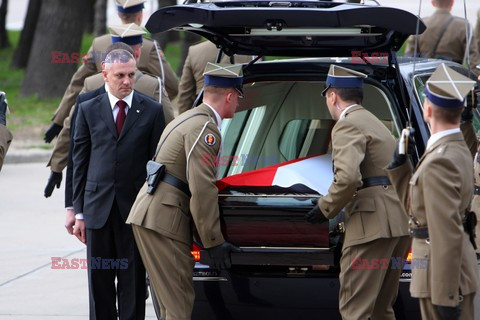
31, 234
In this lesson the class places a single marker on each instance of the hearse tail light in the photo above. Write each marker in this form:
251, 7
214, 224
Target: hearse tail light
196, 252
409, 256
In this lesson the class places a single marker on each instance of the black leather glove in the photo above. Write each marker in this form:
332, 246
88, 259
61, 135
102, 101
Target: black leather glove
473, 99
3, 108
448, 313
315, 215
52, 132
467, 114
399, 159
220, 255
54, 180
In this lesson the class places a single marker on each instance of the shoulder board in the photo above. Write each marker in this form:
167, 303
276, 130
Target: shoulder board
441, 149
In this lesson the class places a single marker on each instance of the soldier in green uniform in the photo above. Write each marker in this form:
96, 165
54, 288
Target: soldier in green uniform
152, 61
445, 37
437, 195
5, 134
477, 30
476, 200
187, 195
191, 81
376, 225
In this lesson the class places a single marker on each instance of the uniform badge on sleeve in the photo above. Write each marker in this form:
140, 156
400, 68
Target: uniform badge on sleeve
210, 139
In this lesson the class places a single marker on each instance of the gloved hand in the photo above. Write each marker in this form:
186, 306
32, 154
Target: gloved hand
3, 108
399, 159
473, 99
467, 114
448, 313
315, 215
220, 255
52, 132
54, 179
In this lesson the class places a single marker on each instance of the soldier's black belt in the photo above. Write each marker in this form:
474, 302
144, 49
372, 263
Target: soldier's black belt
476, 190
468, 227
419, 233
177, 183
375, 181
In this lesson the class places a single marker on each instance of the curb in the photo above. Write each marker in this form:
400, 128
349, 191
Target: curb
27, 156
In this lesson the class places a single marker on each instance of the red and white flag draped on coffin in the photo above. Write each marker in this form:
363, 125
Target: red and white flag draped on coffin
314, 172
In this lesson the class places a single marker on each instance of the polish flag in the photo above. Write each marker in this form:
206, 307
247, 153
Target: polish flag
314, 172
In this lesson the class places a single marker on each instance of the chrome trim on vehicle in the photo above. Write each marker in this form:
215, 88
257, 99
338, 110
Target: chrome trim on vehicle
209, 279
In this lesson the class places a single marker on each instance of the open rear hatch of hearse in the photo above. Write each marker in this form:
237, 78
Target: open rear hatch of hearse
291, 28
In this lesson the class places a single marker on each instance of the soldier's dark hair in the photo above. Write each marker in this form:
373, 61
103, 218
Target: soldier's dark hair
442, 3
129, 17
447, 115
350, 94
214, 90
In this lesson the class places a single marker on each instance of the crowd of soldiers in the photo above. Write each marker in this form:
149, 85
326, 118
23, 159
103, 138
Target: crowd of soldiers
126, 106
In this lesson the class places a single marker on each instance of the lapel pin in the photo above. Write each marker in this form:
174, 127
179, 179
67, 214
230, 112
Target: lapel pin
138, 111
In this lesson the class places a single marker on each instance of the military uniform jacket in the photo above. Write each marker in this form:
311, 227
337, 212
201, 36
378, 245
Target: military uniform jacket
362, 147
144, 83
476, 199
439, 192
148, 63
470, 137
5, 139
191, 82
453, 43
170, 211
477, 30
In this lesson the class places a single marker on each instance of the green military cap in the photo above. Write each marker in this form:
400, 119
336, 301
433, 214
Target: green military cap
130, 34
447, 88
224, 75
340, 77
130, 6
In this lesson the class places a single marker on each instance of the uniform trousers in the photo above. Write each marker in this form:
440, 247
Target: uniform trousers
369, 293
169, 265
428, 312
112, 253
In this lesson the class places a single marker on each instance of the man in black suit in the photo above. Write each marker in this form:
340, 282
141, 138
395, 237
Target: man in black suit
116, 133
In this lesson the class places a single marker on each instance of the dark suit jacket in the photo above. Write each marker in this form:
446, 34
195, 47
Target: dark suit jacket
69, 175
108, 167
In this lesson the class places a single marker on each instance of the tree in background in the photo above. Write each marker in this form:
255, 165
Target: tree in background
4, 41
163, 38
89, 16
56, 44
100, 20
20, 58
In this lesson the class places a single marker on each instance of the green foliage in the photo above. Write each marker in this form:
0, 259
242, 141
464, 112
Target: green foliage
28, 111
173, 52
